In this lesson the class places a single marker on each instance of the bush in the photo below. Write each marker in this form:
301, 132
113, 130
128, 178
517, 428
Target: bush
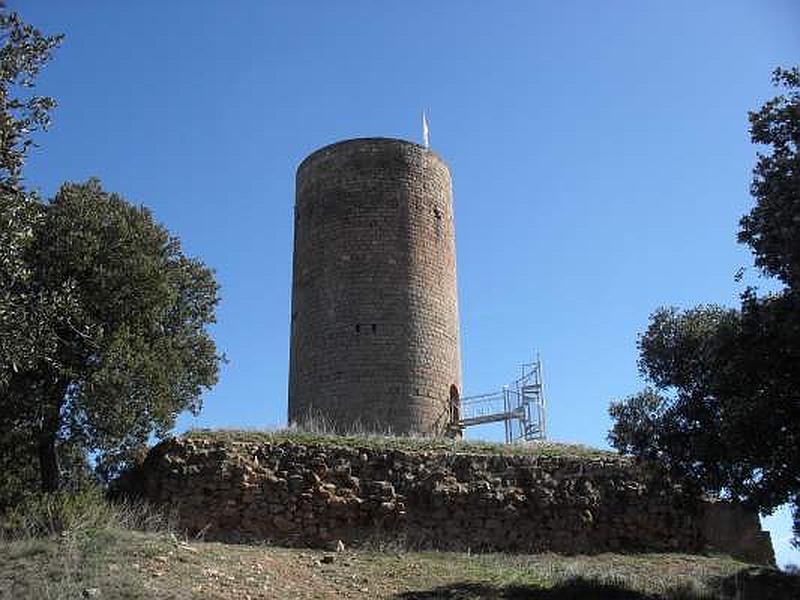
77, 512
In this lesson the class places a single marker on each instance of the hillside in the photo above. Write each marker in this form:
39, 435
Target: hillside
79, 546
115, 563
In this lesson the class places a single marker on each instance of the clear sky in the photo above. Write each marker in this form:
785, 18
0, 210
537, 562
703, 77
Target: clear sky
599, 153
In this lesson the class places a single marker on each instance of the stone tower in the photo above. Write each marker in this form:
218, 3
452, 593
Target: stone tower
374, 324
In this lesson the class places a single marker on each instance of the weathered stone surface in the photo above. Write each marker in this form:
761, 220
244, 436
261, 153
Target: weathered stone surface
313, 494
374, 323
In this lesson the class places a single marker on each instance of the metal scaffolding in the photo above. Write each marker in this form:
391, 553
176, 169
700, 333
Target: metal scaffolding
520, 406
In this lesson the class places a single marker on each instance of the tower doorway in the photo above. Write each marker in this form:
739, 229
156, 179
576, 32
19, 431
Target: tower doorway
455, 406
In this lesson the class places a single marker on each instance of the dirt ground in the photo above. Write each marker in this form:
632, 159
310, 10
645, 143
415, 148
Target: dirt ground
126, 564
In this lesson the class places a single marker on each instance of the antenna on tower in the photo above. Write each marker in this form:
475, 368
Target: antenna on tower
426, 133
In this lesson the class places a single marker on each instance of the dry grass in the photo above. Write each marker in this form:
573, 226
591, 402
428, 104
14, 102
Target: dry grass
71, 546
388, 442
77, 513
74, 546
315, 428
58, 545
126, 564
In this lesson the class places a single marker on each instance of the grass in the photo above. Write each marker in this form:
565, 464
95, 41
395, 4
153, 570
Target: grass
317, 429
402, 443
78, 513
78, 545
127, 564
64, 545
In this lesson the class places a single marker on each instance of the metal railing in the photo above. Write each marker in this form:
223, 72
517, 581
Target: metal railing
519, 406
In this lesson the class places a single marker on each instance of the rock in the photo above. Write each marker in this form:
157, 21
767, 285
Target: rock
327, 495
282, 524
379, 489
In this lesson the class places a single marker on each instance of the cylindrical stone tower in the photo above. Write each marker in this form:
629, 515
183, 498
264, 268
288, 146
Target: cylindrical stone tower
374, 325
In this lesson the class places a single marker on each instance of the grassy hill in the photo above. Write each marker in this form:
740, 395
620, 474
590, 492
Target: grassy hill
81, 547
118, 563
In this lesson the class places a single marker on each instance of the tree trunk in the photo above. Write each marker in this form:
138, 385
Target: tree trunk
49, 468
48, 463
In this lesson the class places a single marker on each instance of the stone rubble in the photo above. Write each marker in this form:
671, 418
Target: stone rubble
327, 496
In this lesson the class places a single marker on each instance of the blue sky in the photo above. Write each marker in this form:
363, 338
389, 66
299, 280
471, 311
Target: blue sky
599, 153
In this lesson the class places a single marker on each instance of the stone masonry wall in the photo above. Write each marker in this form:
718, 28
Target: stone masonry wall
374, 322
317, 494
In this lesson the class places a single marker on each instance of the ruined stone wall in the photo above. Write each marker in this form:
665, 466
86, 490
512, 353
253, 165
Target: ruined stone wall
374, 322
317, 494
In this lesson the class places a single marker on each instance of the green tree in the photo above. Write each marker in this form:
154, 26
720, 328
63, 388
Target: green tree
131, 348
23, 53
772, 228
24, 315
103, 337
724, 407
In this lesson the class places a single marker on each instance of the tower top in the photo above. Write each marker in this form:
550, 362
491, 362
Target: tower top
332, 148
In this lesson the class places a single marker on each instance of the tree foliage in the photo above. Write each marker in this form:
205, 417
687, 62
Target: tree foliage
103, 320
772, 228
724, 407
24, 314
680, 352
130, 348
23, 53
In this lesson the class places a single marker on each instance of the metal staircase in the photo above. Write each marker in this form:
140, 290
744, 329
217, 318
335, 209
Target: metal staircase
519, 406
